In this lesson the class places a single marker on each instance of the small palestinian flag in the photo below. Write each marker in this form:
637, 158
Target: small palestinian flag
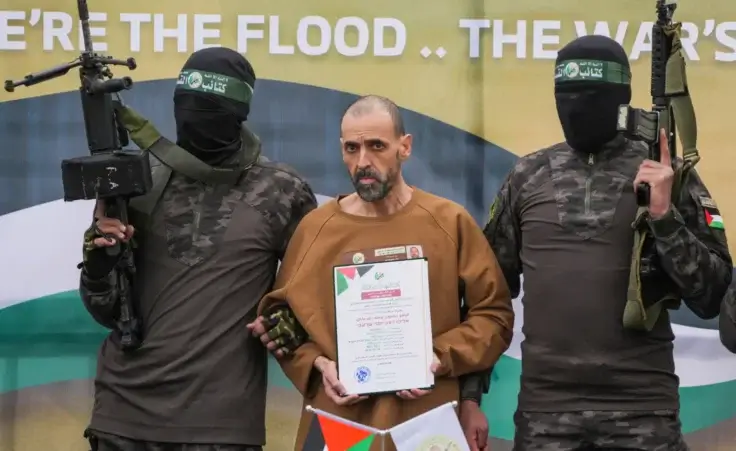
714, 220
332, 433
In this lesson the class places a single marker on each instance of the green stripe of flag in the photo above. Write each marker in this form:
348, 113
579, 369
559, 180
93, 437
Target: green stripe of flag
363, 445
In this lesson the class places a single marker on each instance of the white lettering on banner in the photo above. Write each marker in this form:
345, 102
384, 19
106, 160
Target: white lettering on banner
349, 36
361, 27
201, 32
8, 29
642, 41
135, 20
95, 32
179, 33
381, 26
540, 39
245, 32
316, 36
57, 28
545, 37
727, 40
474, 26
324, 37
274, 39
603, 29
500, 38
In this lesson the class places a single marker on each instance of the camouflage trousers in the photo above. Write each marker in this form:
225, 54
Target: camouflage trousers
587, 431
100, 441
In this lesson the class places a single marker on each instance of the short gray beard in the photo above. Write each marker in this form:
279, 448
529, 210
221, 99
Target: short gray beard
373, 192
379, 189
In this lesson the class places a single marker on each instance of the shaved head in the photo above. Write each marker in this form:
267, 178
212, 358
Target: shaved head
371, 104
374, 145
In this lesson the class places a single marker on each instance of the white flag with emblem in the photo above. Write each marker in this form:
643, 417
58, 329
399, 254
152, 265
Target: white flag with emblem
439, 429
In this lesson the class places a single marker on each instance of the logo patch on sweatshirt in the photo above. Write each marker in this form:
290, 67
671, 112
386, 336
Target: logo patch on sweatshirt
383, 254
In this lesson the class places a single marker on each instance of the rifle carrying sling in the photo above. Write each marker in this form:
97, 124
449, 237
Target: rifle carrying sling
170, 157
641, 314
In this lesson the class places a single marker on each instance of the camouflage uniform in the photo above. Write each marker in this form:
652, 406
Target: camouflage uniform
108, 442
205, 258
727, 326
589, 194
642, 431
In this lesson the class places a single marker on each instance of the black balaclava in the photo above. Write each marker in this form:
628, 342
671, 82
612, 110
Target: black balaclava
211, 101
592, 79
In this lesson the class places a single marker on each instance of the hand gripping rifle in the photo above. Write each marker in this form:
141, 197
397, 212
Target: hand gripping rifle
672, 108
109, 173
650, 289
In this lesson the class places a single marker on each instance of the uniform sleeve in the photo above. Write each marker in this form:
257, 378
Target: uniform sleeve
100, 298
303, 201
692, 247
298, 365
98, 280
473, 385
504, 236
485, 334
727, 320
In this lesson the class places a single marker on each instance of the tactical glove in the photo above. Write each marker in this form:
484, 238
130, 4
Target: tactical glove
97, 263
283, 328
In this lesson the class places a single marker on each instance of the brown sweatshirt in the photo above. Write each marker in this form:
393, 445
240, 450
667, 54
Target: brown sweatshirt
460, 260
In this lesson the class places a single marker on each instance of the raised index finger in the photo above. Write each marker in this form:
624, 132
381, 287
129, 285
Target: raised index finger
664, 148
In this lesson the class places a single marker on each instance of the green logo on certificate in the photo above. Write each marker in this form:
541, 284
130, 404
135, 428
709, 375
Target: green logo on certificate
383, 326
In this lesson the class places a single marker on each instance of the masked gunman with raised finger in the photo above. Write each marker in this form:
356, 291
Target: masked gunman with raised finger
563, 218
207, 243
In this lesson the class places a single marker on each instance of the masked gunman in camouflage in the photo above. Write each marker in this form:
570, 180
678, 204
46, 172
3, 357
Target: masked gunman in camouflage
204, 260
386, 214
563, 219
727, 320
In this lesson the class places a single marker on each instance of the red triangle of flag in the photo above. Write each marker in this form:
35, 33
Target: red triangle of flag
340, 436
708, 217
348, 271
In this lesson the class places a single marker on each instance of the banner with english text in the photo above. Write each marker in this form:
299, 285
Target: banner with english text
474, 81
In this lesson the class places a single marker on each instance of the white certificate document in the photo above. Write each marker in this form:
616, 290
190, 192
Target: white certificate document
383, 326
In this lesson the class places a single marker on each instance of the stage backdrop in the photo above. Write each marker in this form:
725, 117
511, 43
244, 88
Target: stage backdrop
474, 79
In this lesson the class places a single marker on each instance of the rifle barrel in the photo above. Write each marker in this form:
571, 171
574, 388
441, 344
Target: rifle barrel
84, 20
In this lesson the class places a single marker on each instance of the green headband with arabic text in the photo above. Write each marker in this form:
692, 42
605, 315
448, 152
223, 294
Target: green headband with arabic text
580, 70
216, 84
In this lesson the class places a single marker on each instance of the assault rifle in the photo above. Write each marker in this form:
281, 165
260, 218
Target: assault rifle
650, 290
644, 125
109, 174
